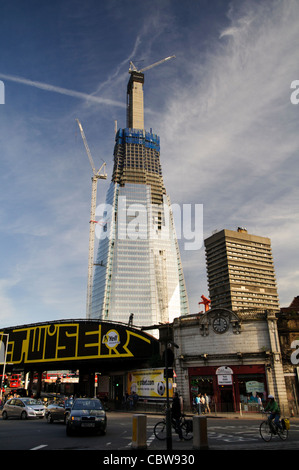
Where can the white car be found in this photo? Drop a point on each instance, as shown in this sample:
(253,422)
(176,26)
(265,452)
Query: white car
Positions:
(23,408)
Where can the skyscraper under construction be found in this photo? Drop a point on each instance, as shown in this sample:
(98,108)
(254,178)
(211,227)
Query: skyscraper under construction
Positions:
(138,268)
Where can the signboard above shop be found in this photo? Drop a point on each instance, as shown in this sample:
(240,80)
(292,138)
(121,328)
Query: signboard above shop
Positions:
(224,375)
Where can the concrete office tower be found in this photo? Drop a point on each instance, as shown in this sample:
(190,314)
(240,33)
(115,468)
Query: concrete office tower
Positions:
(138,268)
(240,271)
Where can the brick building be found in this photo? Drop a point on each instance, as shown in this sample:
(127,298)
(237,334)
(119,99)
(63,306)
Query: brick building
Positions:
(234,357)
(288,329)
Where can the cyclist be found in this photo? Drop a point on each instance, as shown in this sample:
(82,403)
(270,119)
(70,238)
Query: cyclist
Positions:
(273,407)
(176,414)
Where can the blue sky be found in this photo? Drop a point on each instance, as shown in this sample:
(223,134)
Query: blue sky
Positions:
(228,130)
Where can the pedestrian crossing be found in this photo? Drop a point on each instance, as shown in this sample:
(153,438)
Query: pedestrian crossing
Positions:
(225,433)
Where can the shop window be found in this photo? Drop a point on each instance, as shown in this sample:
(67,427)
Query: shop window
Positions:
(251,387)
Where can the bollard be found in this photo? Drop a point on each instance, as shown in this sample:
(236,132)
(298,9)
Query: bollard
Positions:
(139,432)
(200,433)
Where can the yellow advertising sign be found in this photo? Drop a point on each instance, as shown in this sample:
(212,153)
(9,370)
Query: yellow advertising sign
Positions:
(149,383)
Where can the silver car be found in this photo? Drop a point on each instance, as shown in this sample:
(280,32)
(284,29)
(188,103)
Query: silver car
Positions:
(58,411)
(23,408)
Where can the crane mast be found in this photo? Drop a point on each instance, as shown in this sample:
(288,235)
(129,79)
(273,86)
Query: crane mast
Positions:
(95,177)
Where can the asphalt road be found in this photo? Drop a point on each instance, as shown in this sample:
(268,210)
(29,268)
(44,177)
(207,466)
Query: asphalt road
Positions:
(223,434)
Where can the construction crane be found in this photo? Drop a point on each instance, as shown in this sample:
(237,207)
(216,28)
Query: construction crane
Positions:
(100,174)
(133,68)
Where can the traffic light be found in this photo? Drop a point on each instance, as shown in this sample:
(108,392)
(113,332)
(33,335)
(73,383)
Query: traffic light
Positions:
(168,357)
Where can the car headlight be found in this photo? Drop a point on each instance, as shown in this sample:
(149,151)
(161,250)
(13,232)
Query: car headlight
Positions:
(100,418)
(76,418)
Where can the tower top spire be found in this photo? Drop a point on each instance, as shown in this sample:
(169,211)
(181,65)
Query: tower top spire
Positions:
(135,107)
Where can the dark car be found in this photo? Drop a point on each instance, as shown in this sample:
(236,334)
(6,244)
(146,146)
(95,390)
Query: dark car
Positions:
(58,411)
(87,414)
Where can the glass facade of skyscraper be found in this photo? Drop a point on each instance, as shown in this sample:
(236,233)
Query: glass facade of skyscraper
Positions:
(138,268)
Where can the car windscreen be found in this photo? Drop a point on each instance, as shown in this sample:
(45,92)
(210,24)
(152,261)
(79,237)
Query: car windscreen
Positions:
(87,405)
(30,401)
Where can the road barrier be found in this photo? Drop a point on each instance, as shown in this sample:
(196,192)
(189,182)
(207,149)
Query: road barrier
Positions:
(139,431)
(200,433)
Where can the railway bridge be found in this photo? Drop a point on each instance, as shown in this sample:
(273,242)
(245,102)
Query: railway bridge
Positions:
(90,346)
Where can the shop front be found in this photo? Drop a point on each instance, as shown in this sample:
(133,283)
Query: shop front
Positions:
(229,388)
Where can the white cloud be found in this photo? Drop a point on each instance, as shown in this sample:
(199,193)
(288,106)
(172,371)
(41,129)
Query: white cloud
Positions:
(231,139)
(60,90)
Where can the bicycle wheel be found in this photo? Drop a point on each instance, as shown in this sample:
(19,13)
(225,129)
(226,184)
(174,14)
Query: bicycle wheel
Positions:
(265,431)
(187,430)
(283,434)
(160,430)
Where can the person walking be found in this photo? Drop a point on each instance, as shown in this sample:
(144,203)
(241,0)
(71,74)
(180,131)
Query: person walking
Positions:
(198,403)
(203,404)
(207,403)
(259,402)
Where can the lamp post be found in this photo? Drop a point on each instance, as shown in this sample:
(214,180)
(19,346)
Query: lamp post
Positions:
(166,338)
(168,410)
(4,362)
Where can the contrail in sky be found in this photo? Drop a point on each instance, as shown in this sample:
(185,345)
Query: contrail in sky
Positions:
(62,91)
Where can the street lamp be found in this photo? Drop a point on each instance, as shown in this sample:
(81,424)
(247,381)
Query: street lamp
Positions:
(166,338)
(4,362)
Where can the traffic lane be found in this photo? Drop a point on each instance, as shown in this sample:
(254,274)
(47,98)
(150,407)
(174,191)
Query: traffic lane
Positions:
(39,435)
(18,434)
(222,433)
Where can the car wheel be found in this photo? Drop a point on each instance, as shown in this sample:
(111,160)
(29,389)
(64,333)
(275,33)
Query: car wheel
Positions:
(4,415)
(23,415)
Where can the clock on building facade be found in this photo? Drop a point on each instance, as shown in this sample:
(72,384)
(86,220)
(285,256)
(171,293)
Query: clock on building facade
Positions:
(219,320)
(220,324)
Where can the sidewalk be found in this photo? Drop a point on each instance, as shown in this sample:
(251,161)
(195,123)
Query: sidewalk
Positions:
(244,415)
(228,415)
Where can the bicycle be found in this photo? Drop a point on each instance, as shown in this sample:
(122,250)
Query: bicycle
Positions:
(268,429)
(186,426)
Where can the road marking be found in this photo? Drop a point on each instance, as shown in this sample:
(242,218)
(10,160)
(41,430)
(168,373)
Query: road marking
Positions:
(150,440)
(39,447)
